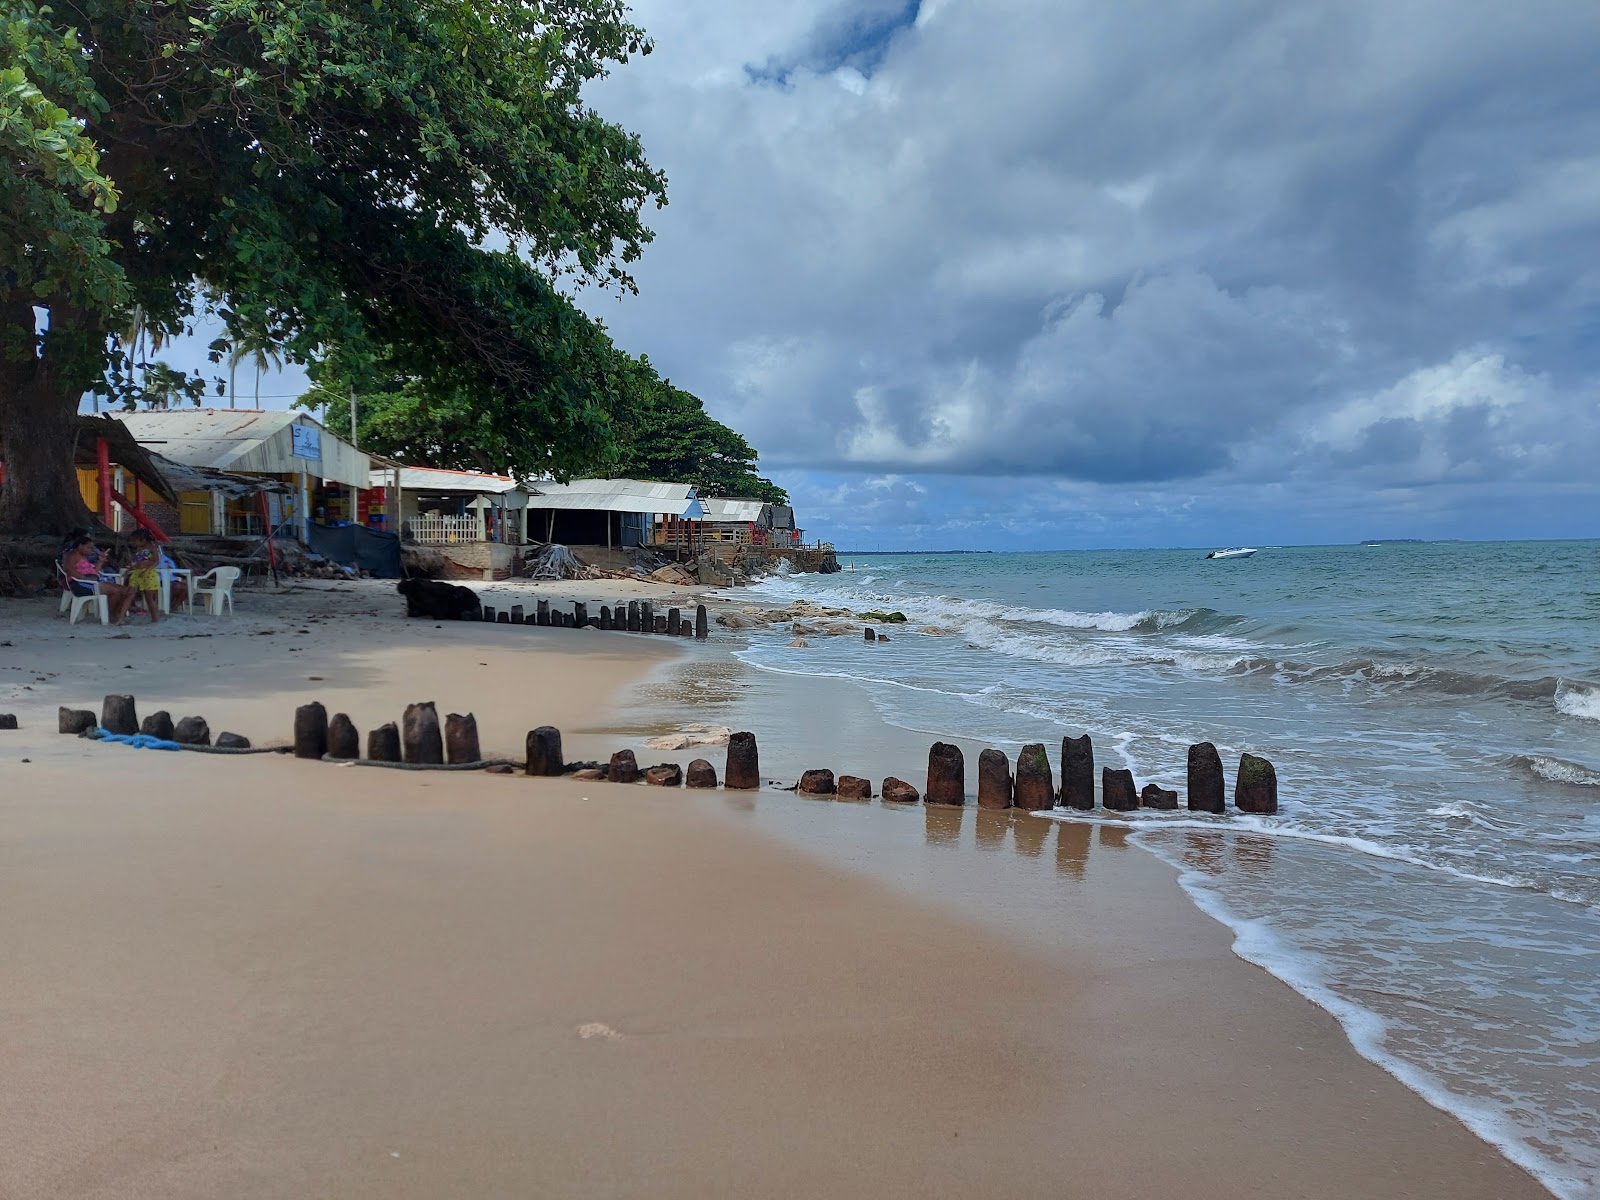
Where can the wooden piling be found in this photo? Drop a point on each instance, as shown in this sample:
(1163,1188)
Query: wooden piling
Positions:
(624,768)
(461,738)
(1206,792)
(544,751)
(1035,788)
(383,743)
(343,740)
(1117,791)
(994,779)
(701,627)
(743,769)
(310,730)
(420,736)
(947,775)
(1256,786)
(118,715)
(1077,773)
(541,613)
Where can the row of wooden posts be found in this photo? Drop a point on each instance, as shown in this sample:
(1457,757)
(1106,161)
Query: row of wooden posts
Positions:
(639,616)
(421,739)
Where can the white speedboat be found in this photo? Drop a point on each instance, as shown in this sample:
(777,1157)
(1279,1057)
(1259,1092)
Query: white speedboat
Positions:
(1237,552)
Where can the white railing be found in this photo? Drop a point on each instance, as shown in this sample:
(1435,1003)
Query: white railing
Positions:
(435,530)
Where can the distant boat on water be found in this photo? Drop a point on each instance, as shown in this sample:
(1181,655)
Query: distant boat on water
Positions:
(1236,552)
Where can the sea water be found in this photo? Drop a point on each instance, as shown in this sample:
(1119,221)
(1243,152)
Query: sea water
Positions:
(1433,710)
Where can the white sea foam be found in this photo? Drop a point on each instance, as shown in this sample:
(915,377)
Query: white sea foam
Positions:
(1257,942)
(1558,770)
(1578,700)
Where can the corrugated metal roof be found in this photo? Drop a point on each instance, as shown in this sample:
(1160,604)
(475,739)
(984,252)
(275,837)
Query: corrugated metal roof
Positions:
(617,495)
(431,479)
(733,511)
(645,489)
(249,440)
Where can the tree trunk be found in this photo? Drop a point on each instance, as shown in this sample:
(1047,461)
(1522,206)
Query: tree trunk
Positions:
(41,487)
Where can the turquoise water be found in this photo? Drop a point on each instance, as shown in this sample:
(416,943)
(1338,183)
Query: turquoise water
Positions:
(1433,876)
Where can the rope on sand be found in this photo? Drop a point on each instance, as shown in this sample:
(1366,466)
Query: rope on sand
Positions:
(480,765)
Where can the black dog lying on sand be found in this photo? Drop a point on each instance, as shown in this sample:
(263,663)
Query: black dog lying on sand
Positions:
(439,601)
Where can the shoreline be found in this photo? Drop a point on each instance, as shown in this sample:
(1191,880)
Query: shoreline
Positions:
(1139,916)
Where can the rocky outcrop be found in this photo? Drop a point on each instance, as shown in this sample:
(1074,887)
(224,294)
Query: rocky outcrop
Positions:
(1077,773)
(947,775)
(1256,788)
(1035,787)
(1117,791)
(1205,779)
(994,779)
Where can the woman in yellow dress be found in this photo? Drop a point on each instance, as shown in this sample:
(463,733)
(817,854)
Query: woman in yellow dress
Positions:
(144,575)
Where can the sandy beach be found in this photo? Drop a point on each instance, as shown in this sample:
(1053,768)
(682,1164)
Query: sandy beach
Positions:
(260,977)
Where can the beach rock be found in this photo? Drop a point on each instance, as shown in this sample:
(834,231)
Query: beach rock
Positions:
(871,634)
(701,774)
(420,738)
(994,779)
(436,600)
(666,775)
(158,725)
(8,720)
(541,613)
(383,743)
(192,731)
(232,741)
(1206,792)
(1117,791)
(624,768)
(798,643)
(1256,786)
(544,751)
(818,783)
(590,774)
(117,715)
(1077,772)
(898,791)
(1153,795)
(1035,788)
(853,787)
(310,730)
(947,775)
(74,720)
(701,628)
(344,740)
(743,769)
(461,738)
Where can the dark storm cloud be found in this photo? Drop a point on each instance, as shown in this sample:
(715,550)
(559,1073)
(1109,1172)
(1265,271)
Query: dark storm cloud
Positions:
(1132,243)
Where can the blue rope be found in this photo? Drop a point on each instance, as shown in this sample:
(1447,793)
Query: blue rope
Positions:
(139,741)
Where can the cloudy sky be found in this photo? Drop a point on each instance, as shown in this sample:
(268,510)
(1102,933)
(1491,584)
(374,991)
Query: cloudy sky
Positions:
(1057,273)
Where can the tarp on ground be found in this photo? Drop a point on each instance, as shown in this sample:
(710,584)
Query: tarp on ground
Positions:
(378,554)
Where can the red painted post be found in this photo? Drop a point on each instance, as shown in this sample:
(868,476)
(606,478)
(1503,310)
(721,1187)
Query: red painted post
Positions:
(102,451)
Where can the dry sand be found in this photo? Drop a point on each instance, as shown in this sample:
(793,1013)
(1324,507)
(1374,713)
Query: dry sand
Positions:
(256,977)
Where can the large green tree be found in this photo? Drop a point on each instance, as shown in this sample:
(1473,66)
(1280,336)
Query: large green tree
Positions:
(316,173)
(654,430)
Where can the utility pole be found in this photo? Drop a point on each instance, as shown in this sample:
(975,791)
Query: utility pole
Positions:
(353,417)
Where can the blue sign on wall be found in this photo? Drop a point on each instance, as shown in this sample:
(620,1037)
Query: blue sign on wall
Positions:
(307,441)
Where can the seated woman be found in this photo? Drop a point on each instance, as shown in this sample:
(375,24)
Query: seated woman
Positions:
(81,563)
(144,573)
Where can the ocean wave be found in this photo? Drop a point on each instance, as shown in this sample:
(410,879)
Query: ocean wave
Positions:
(1556,770)
(1578,699)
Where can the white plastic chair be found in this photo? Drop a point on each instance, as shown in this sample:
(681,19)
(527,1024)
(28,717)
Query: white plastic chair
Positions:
(221,589)
(70,600)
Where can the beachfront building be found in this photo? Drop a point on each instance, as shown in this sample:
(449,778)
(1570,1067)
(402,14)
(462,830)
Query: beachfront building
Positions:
(443,508)
(736,522)
(617,513)
(317,473)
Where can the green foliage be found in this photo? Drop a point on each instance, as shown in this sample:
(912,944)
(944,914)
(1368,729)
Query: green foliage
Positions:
(667,434)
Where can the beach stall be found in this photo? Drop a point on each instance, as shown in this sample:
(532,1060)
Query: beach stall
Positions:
(320,471)
(608,512)
(741,522)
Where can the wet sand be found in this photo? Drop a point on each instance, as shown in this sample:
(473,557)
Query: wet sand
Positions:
(266,978)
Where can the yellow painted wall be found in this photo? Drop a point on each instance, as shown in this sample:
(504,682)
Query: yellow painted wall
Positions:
(194,512)
(89,487)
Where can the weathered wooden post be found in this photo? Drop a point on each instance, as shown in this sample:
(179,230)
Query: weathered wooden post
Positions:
(1256,786)
(541,613)
(488,613)
(419,734)
(701,625)
(157,725)
(502,617)
(854,787)
(674,615)
(192,731)
(817,783)
(310,730)
(743,769)
(1116,790)
(117,715)
(1035,788)
(647,617)
(461,738)
(871,634)
(700,774)
(661,624)
(74,720)
(383,743)
(580,614)
(686,629)
(1205,779)
(605,616)
(517,615)
(343,740)
(1153,795)
(624,768)
(1077,773)
(947,775)
(666,775)
(544,751)
(633,616)
(898,791)
(994,779)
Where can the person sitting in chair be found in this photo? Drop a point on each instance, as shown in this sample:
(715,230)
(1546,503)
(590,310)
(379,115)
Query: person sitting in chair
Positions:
(81,567)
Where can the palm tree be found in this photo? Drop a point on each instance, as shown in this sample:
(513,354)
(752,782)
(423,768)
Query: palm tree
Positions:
(258,346)
(138,338)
